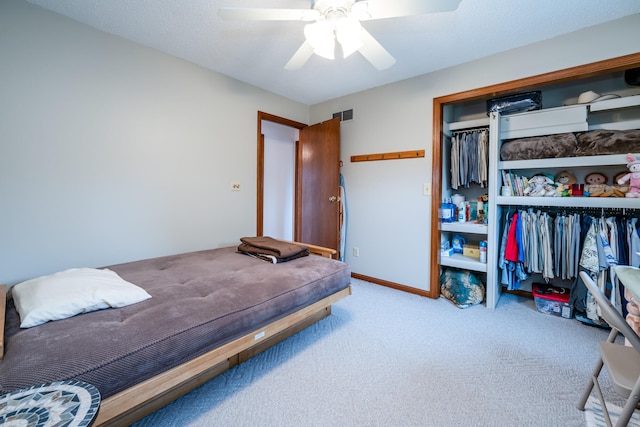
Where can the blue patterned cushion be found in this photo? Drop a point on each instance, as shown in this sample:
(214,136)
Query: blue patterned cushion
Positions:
(461,287)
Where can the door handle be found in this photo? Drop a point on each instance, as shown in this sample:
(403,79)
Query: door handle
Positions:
(334,199)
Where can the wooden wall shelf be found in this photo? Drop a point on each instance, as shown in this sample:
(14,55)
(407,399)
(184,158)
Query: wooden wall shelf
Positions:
(388,156)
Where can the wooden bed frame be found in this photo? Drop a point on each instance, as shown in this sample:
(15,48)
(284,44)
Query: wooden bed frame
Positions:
(136,402)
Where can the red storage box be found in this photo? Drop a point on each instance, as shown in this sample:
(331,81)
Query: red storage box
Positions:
(552,300)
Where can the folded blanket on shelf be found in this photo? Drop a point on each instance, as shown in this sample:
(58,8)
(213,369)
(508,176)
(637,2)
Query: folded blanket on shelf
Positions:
(271,250)
(591,143)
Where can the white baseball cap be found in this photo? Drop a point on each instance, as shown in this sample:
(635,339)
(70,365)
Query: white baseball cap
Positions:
(590,96)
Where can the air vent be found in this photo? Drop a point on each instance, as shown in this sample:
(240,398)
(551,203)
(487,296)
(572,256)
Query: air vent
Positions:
(345,116)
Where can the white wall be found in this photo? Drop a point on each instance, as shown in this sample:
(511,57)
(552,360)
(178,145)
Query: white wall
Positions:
(279,179)
(112,152)
(388,216)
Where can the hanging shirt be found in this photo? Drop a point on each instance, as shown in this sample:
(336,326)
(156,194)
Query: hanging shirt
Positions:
(557,244)
(634,242)
(511,251)
(483,158)
(545,244)
(604,246)
(574,248)
(615,285)
(589,257)
(454,158)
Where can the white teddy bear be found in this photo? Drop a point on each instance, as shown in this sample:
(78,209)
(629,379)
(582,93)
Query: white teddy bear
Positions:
(540,186)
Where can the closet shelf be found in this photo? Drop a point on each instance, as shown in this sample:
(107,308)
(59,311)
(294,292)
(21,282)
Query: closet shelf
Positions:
(464,227)
(466,124)
(565,162)
(464,262)
(626,125)
(569,202)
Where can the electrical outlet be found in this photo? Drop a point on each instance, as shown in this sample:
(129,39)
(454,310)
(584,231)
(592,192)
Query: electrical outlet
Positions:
(235,186)
(356,251)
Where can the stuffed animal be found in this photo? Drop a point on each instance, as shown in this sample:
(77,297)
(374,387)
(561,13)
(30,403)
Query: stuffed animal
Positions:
(619,190)
(540,186)
(597,185)
(562,190)
(633,176)
(563,183)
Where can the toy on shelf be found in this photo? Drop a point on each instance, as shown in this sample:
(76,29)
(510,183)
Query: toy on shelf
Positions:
(540,186)
(633,176)
(564,180)
(597,185)
(620,189)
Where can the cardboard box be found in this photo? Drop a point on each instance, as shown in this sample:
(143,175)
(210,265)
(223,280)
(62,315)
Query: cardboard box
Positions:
(446,252)
(471,251)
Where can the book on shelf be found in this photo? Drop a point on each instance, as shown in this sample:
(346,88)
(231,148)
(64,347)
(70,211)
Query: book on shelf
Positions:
(505,180)
(516,183)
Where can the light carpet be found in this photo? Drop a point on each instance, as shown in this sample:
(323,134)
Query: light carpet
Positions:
(595,417)
(389,358)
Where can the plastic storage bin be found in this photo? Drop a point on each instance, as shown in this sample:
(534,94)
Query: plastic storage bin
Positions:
(515,103)
(552,300)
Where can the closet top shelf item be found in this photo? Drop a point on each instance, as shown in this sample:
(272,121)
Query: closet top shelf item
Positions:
(566,162)
(615,103)
(615,114)
(571,118)
(544,122)
(569,202)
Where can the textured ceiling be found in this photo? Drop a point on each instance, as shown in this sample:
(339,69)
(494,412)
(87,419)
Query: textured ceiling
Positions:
(256,52)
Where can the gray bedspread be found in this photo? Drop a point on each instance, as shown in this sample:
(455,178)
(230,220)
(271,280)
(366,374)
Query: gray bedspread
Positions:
(200,300)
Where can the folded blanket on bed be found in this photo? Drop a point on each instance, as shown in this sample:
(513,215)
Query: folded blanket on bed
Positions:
(271,250)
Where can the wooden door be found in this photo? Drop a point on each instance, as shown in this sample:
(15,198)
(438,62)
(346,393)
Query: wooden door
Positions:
(318,185)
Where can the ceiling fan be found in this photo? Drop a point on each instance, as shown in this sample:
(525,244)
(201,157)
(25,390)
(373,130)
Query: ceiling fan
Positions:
(332,20)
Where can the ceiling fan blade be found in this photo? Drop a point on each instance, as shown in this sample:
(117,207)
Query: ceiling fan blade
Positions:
(248,14)
(381,9)
(374,52)
(299,58)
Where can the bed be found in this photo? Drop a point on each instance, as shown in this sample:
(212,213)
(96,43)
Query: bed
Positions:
(209,310)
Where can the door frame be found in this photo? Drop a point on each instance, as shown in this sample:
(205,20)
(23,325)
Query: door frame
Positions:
(260,172)
(528,83)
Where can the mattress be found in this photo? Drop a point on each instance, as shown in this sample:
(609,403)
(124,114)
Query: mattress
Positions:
(200,300)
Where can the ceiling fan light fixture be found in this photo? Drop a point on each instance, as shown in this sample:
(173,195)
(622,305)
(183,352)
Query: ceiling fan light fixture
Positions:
(321,36)
(360,10)
(348,35)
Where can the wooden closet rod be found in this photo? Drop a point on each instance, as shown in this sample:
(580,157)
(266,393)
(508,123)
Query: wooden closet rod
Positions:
(388,156)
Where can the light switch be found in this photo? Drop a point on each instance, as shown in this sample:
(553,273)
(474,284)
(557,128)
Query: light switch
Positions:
(426,189)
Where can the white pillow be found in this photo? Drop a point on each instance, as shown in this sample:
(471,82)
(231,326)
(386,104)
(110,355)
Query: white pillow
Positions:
(70,292)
